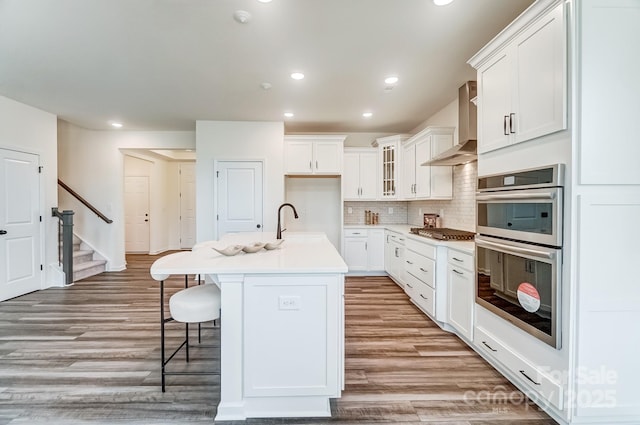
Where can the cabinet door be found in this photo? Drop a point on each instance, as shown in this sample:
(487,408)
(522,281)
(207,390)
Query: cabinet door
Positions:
(441,175)
(389,167)
(494,92)
(355,253)
(298,157)
(422,188)
(368,176)
(461,300)
(408,172)
(327,157)
(540,87)
(351,176)
(375,249)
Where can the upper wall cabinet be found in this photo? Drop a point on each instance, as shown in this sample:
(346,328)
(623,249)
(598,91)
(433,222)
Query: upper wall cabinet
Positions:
(422,181)
(313,155)
(360,174)
(522,81)
(389,163)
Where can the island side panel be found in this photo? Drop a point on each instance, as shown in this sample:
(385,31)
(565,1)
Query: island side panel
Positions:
(232,404)
(293,335)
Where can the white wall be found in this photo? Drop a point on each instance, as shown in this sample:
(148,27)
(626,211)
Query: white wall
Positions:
(235,140)
(27,129)
(445,117)
(317,201)
(92,163)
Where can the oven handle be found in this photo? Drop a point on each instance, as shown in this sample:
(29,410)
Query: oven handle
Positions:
(516,196)
(509,249)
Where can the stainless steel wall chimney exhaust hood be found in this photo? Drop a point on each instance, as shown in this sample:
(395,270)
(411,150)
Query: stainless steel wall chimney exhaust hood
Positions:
(466,150)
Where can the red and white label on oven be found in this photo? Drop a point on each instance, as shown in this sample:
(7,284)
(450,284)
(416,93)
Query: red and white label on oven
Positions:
(529,297)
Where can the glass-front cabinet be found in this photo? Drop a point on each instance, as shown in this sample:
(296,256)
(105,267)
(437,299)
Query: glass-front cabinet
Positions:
(389,152)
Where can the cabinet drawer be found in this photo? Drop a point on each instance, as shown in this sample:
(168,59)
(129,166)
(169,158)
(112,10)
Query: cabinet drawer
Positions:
(421,248)
(461,259)
(424,296)
(420,267)
(532,376)
(355,232)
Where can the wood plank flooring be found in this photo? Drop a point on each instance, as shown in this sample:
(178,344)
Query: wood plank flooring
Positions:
(89,354)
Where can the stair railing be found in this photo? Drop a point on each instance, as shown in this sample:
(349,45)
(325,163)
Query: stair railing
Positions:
(65,254)
(84,202)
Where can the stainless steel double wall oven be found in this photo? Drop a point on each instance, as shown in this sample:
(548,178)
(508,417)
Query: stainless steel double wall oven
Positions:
(519,249)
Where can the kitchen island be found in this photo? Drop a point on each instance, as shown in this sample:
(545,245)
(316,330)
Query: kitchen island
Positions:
(282,315)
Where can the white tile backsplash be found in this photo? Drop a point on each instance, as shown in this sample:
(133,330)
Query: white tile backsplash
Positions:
(458,213)
(398,216)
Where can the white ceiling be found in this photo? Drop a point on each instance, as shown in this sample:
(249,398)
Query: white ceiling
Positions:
(162,64)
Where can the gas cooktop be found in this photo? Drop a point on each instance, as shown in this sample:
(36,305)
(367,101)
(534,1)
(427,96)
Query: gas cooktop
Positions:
(443,233)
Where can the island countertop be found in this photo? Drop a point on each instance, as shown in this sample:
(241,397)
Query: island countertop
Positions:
(300,252)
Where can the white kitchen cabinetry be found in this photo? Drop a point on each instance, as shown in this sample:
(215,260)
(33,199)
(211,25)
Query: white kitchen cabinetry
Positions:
(540,386)
(423,181)
(305,155)
(389,163)
(360,174)
(420,275)
(460,266)
(364,249)
(394,256)
(522,86)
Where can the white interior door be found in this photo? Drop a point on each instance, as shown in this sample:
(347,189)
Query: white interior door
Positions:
(187,205)
(136,198)
(19,224)
(239,200)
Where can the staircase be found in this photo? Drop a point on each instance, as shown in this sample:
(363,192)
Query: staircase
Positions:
(85,261)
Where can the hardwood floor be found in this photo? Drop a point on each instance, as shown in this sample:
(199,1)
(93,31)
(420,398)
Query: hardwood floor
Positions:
(90,354)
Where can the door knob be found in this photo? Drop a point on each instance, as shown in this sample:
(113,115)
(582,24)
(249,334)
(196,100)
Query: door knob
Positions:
(3,232)
(258,226)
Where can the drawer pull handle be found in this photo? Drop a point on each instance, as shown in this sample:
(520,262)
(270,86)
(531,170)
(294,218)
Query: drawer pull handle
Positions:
(457,259)
(409,262)
(488,346)
(424,298)
(456,271)
(426,271)
(409,286)
(527,376)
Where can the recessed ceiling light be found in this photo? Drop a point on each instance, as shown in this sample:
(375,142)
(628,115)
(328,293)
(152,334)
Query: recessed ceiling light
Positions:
(441,2)
(297,75)
(264,1)
(116,124)
(367,114)
(288,114)
(391,80)
(265,85)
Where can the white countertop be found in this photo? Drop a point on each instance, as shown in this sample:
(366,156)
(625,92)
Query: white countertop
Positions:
(465,246)
(301,252)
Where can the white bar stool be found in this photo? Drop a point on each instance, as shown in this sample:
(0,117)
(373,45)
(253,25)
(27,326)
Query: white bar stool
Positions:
(196,304)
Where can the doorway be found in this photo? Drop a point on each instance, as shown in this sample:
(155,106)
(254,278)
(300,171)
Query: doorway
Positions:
(20,267)
(136,201)
(239,185)
(187,205)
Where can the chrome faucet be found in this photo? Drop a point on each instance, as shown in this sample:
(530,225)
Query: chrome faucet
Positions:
(295,214)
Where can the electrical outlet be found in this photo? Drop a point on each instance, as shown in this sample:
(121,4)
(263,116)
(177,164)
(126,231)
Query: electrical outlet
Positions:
(349,210)
(390,210)
(289,302)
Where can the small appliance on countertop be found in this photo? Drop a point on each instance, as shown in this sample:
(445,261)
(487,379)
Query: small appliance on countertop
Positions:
(443,233)
(430,221)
